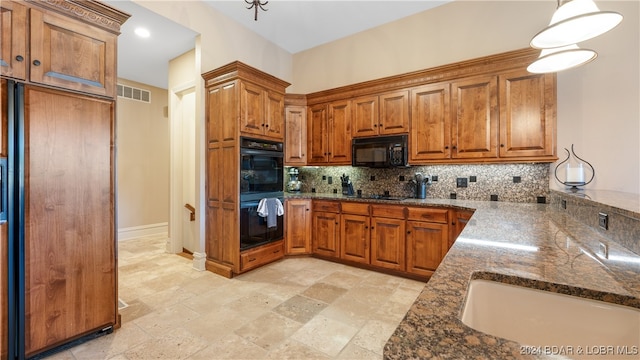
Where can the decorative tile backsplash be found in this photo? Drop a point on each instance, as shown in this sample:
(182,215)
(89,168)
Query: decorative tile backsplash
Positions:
(525,183)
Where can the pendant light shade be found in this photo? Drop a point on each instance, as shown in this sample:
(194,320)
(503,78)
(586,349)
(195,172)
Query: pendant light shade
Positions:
(563,58)
(573,22)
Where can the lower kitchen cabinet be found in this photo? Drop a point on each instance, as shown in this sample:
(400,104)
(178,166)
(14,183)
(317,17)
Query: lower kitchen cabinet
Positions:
(460,220)
(298,227)
(388,243)
(326,229)
(261,255)
(355,238)
(427,244)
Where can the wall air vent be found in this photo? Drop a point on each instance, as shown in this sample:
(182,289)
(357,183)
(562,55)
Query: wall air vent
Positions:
(132,93)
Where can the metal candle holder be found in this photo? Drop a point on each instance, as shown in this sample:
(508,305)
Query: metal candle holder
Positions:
(574,184)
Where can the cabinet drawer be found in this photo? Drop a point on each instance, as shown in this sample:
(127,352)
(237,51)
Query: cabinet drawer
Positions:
(261,255)
(428,215)
(326,206)
(394,212)
(355,208)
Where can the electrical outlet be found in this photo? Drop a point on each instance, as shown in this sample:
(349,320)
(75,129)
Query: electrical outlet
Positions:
(453,196)
(517,179)
(401,177)
(324,177)
(603,221)
(373,178)
(461,182)
(330,180)
(494,197)
(434,177)
(473,178)
(564,204)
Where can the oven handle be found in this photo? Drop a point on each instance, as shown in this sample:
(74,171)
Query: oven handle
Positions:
(249,204)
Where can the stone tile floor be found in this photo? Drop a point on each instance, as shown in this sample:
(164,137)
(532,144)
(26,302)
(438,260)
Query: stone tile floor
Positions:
(298,308)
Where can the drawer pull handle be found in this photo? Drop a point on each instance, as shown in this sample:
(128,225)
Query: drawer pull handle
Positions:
(276,251)
(252,259)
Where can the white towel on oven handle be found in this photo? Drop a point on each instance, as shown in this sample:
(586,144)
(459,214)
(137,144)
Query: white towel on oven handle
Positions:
(276,207)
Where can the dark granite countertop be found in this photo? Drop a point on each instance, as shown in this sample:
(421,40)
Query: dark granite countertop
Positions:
(534,245)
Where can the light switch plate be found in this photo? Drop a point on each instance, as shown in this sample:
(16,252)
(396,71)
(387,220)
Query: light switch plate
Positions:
(603,221)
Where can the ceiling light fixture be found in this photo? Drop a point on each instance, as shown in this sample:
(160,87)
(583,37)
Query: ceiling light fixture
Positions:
(562,58)
(256,4)
(142,32)
(575,21)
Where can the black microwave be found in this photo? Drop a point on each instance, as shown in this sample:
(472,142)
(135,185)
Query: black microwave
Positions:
(380,151)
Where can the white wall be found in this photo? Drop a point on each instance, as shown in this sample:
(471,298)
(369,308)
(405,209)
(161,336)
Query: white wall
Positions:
(598,104)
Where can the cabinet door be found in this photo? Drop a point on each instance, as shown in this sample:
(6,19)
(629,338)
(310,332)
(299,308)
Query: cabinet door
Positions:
(394,113)
(252,120)
(527,114)
(427,244)
(317,134)
(460,220)
(71,54)
(354,238)
(388,243)
(298,226)
(475,118)
(70,259)
(13,40)
(430,123)
(295,148)
(339,126)
(365,116)
(326,234)
(274,112)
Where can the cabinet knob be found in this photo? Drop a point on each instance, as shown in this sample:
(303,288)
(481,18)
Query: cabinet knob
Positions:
(267,125)
(446,147)
(36,62)
(501,145)
(336,223)
(366,227)
(454,147)
(375,125)
(262,125)
(408,232)
(19,58)
(329,153)
(380,124)
(306,209)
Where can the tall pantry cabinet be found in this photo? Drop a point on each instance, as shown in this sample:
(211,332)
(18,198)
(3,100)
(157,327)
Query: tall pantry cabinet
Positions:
(58,262)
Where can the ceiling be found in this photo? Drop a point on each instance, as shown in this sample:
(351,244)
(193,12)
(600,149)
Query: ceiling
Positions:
(292,25)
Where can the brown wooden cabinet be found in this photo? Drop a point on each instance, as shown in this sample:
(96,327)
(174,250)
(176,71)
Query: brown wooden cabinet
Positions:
(460,220)
(355,233)
(326,228)
(261,255)
(82,249)
(474,128)
(527,114)
(388,237)
(383,114)
(427,239)
(70,263)
(329,133)
(261,111)
(4,243)
(13,40)
(295,118)
(430,135)
(234,91)
(297,226)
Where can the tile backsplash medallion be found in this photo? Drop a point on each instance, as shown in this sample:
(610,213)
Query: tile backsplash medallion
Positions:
(510,182)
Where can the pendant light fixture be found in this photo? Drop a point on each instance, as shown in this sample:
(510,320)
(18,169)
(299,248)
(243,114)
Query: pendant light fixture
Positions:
(562,58)
(575,21)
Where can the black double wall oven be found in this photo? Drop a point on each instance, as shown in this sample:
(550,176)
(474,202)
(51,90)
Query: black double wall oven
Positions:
(261,177)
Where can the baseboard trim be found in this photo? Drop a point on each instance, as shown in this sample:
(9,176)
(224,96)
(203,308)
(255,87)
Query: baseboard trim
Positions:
(144,230)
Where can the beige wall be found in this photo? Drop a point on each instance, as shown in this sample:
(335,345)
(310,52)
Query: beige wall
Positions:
(598,104)
(142,145)
(223,40)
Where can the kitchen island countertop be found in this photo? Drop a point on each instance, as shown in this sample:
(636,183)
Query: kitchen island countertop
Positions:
(534,245)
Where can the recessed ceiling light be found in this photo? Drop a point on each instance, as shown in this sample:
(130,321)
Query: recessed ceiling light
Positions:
(142,32)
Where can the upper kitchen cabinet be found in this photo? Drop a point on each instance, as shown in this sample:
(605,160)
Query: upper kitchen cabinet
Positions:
(430,135)
(329,133)
(295,119)
(13,40)
(527,115)
(474,127)
(73,53)
(384,114)
(261,111)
